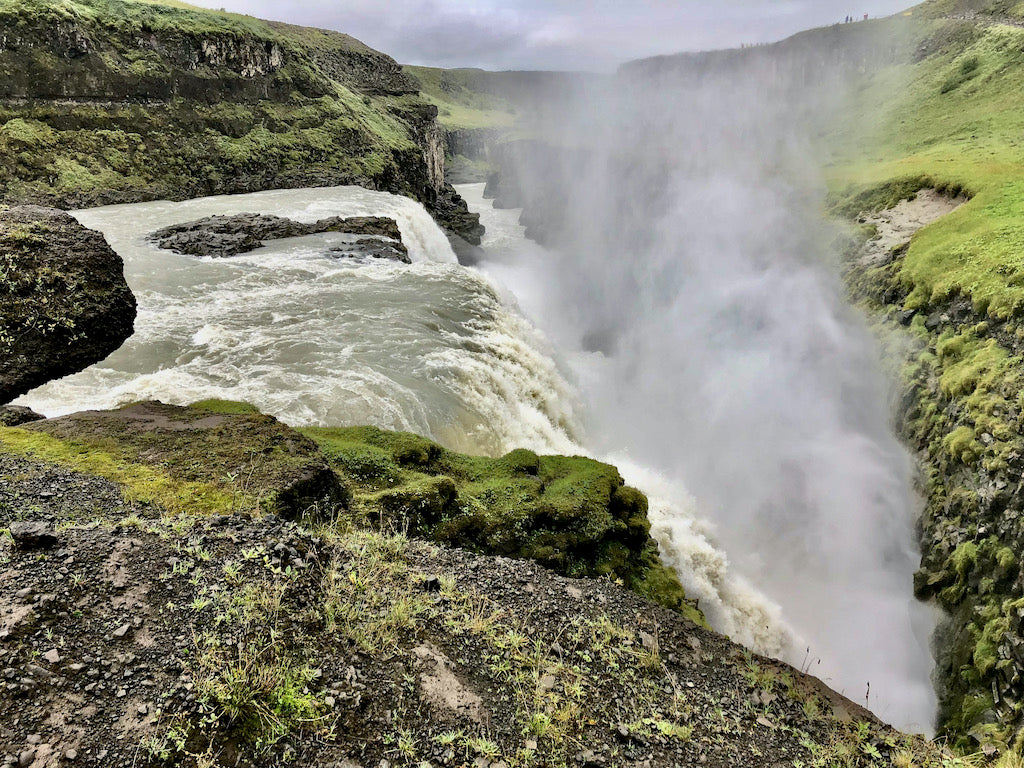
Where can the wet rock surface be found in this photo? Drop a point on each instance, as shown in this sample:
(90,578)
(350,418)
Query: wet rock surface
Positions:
(64,303)
(372,248)
(13,415)
(220,236)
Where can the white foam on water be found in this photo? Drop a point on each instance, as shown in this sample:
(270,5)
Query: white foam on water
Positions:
(430,347)
(314,339)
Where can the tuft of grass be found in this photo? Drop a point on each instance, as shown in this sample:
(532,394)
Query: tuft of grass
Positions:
(225,407)
(369,592)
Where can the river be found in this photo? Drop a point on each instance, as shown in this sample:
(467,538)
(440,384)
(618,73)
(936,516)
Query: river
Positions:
(479,359)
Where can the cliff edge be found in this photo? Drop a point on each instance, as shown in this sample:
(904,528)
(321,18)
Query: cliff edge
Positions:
(112,101)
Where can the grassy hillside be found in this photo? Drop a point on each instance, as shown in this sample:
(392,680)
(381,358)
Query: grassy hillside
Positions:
(463,98)
(121,100)
(954,120)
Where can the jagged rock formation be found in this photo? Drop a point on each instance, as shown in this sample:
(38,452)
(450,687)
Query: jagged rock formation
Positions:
(220,236)
(117,101)
(64,303)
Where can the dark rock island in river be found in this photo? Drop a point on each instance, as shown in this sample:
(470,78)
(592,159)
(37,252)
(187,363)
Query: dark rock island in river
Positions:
(220,236)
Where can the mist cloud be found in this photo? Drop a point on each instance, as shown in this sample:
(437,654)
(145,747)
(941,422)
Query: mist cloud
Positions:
(557,34)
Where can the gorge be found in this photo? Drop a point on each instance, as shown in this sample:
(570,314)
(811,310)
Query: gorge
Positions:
(808,450)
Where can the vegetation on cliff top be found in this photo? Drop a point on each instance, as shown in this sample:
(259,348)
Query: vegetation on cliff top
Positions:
(952,120)
(461,100)
(571,514)
(120,100)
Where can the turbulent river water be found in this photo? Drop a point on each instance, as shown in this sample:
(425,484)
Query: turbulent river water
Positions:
(435,348)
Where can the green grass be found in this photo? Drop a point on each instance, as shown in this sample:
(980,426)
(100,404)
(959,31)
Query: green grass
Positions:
(969,138)
(156,15)
(227,407)
(140,484)
(462,102)
(572,514)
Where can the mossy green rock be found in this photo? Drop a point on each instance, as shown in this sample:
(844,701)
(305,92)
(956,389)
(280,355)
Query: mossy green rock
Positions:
(215,457)
(571,514)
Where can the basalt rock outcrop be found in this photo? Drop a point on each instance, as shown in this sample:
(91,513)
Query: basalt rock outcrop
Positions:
(220,236)
(64,302)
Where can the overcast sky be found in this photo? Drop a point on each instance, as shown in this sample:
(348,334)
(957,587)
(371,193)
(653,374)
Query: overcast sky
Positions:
(556,34)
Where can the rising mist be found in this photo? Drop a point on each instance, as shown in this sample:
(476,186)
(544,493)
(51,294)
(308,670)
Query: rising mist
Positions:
(698,278)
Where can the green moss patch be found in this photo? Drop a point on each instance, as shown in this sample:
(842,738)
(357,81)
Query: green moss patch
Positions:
(571,514)
(140,484)
(218,457)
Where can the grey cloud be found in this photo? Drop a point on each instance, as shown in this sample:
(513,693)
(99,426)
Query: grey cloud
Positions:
(557,34)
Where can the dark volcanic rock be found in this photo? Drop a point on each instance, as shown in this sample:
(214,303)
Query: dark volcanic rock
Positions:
(232,235)
(375,248)
(15,415)
(33,535)
(64,303)
(450,211)
(378,226)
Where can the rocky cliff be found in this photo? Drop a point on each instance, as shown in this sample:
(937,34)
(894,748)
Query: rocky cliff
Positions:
(951,299)
(115,101)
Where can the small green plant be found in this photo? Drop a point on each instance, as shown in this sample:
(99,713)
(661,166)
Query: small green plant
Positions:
(484,747)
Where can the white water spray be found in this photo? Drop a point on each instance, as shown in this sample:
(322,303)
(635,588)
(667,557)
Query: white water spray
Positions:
(694,276)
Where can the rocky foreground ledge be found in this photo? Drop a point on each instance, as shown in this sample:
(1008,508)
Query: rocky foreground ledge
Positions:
(170,596)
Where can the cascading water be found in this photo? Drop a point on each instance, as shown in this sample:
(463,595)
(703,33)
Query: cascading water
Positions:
(426,347)
(732,605)
(693,284)
(429,347)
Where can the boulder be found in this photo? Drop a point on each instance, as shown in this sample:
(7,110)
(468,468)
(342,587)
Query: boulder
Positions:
(16,415)
(64,302)
(374,248)
(33,535)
